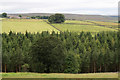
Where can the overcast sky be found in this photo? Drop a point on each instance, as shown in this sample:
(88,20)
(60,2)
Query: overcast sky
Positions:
(100,7)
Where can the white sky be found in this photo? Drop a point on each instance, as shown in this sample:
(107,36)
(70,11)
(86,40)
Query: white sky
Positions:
(100,7)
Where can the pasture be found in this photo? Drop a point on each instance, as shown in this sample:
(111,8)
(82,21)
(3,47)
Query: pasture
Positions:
(59,75)
(79,28)
(35,25)
(86,26)
(23,25)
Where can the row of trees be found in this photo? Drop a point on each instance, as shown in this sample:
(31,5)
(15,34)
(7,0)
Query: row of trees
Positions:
(4,15)
(65,52)
(39,17)
(36,17)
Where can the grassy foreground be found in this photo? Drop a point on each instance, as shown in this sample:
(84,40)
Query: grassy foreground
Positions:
(59,75)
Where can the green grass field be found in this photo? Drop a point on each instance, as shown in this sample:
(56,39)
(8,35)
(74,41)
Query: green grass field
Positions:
(59,75)
(34,25)
(78,22)
(78,26)
(23,25)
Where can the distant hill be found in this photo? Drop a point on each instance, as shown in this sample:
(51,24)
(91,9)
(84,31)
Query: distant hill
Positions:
(73,16)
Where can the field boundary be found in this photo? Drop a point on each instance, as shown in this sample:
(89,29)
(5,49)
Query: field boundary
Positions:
(52,26)
(100,25)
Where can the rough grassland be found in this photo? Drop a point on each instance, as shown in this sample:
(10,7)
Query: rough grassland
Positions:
(106,23)
(59,75)
(23,25)
(113,25)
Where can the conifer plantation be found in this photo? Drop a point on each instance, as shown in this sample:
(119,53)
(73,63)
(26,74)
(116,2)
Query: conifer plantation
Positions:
(64,52)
